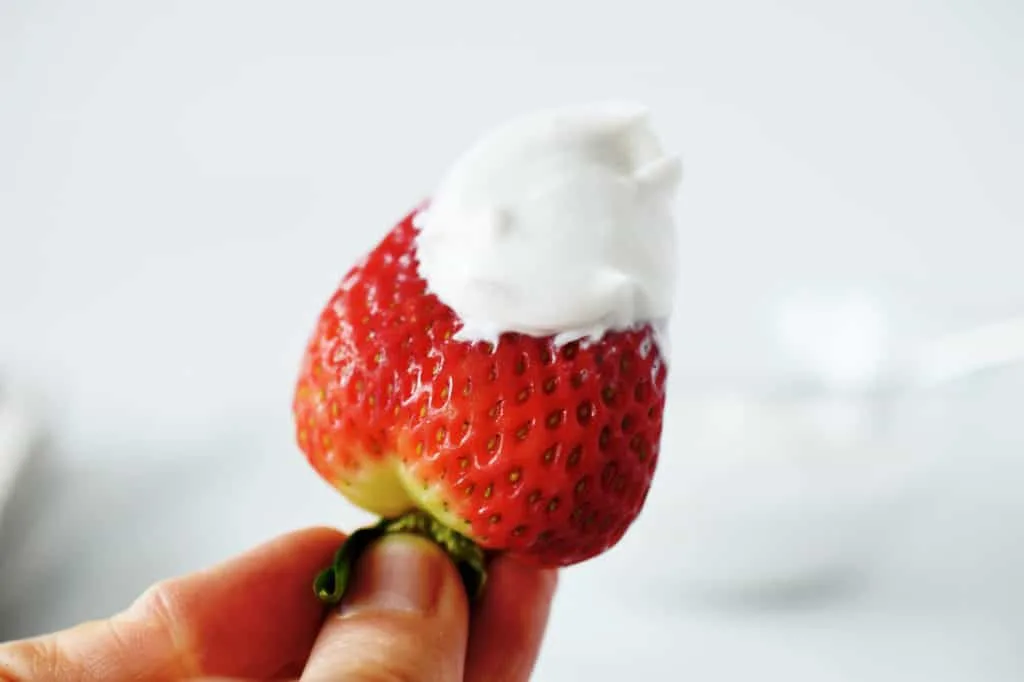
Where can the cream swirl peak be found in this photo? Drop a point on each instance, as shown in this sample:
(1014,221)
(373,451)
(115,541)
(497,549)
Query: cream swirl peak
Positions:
(558,223)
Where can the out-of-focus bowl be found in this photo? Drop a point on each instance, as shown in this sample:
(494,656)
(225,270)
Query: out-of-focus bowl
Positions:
(769,493)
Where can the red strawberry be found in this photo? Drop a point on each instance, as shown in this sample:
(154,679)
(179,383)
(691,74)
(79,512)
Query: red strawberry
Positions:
(544,451)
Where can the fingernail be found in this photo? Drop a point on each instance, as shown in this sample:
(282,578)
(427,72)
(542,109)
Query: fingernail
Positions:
(398,573)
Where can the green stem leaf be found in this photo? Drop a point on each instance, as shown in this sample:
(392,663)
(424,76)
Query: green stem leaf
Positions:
(468,557)
(330,583)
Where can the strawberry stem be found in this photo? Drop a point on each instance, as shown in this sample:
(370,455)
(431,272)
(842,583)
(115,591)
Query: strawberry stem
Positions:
(330,583)
(469,559)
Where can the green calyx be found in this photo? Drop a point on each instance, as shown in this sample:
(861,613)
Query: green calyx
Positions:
(469,559)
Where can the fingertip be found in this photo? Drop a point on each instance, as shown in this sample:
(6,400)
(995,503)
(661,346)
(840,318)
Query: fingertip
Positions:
(509,621)
(405,613)
(249,615)
(405,573)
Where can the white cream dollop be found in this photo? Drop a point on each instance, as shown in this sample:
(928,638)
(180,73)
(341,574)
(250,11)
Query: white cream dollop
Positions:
(559,223)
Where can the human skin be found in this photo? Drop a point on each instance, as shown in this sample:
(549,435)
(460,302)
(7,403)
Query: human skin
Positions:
(405,618)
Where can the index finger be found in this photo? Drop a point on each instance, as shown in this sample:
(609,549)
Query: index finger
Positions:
(254,616)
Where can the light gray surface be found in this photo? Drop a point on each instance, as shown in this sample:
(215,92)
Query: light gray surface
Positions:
(181,186)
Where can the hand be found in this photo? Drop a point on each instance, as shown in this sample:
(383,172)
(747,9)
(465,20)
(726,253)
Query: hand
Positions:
(405,618)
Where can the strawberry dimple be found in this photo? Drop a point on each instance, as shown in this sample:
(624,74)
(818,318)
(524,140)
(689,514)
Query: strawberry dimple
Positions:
(542,450)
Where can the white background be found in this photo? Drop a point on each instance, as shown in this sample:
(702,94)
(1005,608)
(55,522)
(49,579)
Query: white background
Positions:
(182,184)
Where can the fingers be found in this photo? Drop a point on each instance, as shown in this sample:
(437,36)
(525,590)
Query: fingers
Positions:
(254,616)
(509,622)
(404,619)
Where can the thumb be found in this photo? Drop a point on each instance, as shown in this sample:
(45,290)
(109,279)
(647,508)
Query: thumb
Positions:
(405,618)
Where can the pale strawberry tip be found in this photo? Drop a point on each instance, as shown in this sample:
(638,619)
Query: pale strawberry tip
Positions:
(332,582)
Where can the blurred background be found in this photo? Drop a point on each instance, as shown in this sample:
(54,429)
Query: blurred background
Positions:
(183,184)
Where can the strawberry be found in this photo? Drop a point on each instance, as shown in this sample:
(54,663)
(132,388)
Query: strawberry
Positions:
(526,446)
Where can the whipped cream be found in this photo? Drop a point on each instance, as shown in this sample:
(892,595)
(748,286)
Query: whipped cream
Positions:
(559,223)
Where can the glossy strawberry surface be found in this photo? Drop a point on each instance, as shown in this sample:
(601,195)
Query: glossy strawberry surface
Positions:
(525,446)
